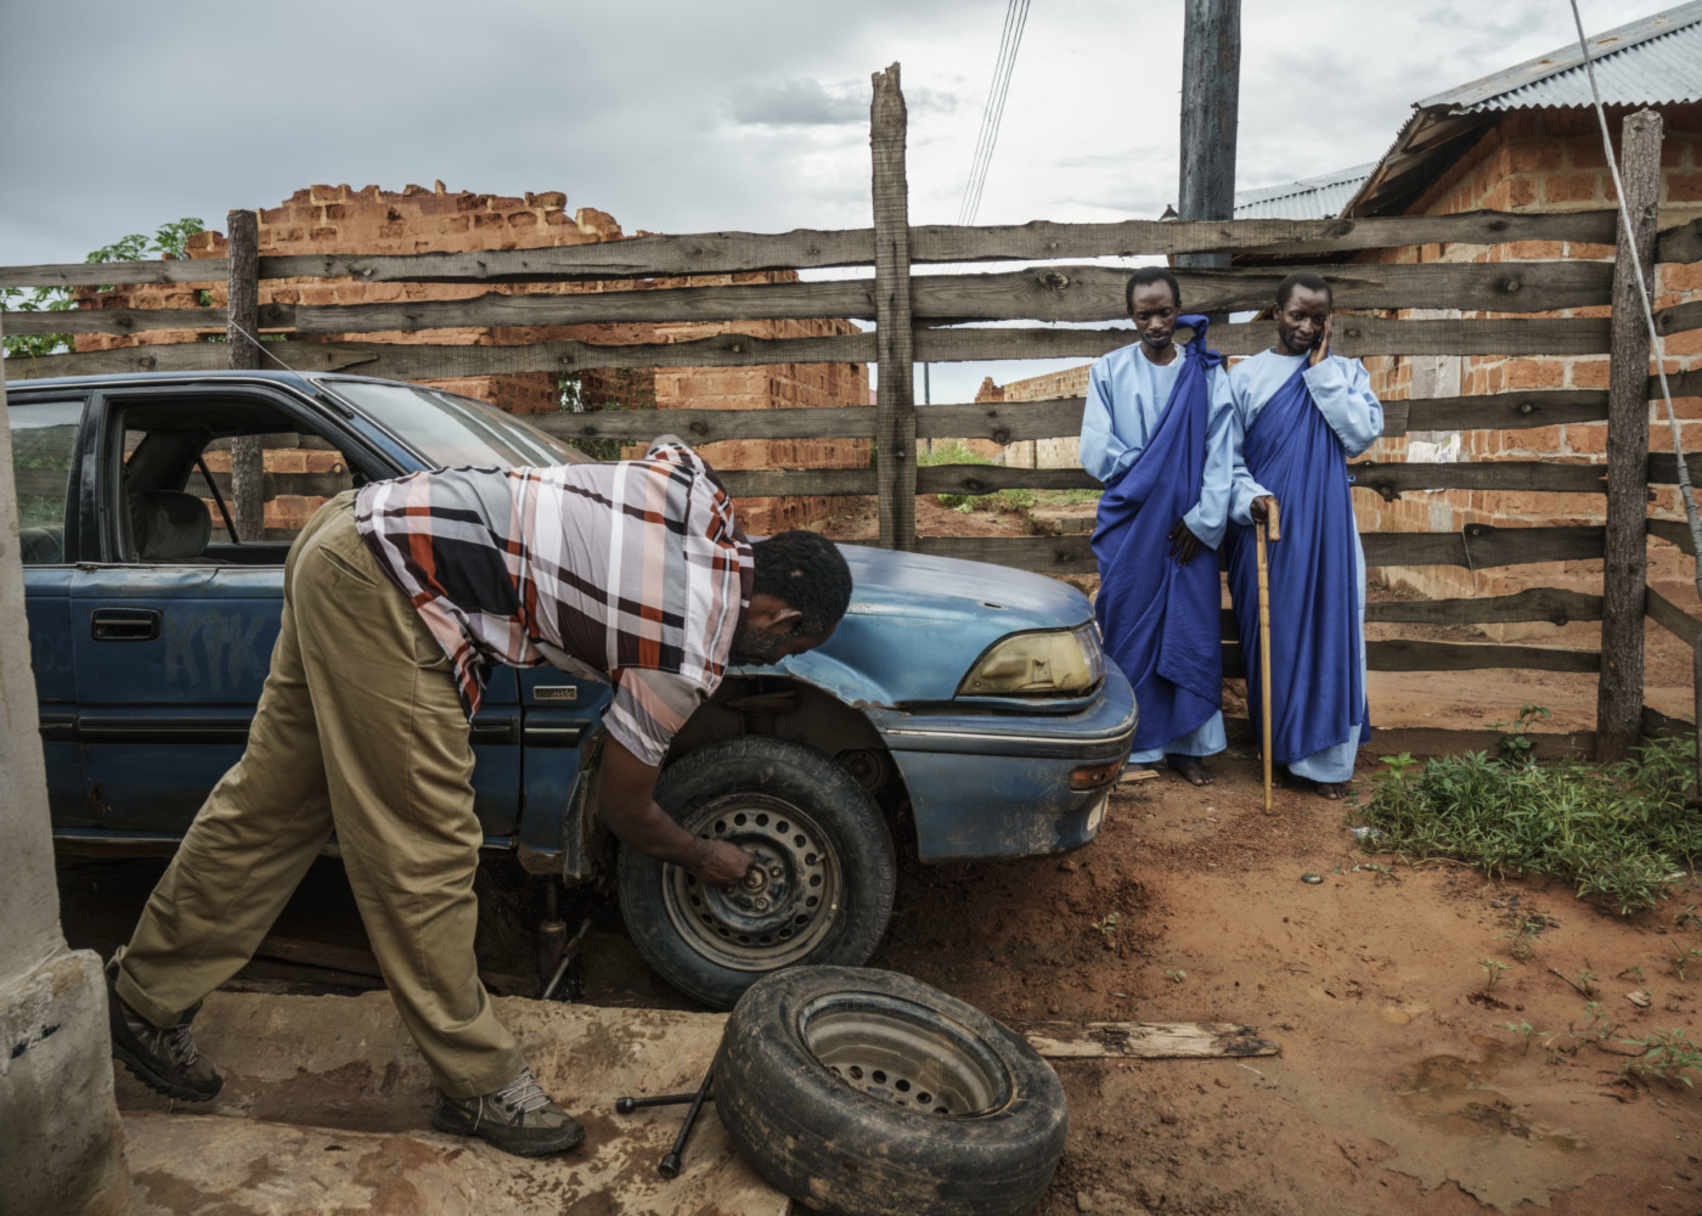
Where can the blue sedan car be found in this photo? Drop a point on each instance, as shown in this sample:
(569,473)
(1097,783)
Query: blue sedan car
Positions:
(971,700)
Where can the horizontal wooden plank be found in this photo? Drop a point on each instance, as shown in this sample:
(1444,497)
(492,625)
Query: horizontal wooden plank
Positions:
(1663,468)
(1391,480)
(1041,239)
(1437,741)
(437,362)
(990,478)
(137,320)
(1671,617)
(726,252)
(306,485)
(1357,336)
(1403,654)
(1146,1041)
(1495,411)
(211,271)
(1483,548)
(770,483)
(1042,293)
(1478,546)
(1002,422)
(1550,604)
(1674,532)
(710,426)
(1677,318)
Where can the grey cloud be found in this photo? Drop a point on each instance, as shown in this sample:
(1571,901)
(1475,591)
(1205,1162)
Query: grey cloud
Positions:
(805,103)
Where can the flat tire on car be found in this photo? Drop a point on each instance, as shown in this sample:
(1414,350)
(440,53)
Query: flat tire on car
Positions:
(827,870)
(864,1092)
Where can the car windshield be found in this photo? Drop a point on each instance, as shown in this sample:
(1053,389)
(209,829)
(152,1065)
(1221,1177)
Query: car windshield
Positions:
(450,430)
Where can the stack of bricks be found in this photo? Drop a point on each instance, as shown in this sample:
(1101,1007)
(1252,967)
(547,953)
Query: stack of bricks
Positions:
(1062,452)
(1539,161)
(372,221)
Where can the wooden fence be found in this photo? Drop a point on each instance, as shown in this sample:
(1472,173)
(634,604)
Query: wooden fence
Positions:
(929,317)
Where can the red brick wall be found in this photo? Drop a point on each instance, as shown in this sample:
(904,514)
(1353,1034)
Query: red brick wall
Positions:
(1539,161)
(339,219)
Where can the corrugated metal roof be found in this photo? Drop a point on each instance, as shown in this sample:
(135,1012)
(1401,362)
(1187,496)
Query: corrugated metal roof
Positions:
(1310,198)
(1647,62)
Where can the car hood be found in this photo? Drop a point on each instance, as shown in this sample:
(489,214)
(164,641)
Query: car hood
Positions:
(916,623)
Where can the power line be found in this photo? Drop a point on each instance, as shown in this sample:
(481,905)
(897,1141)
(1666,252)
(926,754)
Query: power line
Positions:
(992,113)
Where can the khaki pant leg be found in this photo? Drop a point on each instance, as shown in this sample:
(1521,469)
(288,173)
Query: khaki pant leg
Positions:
(247,849)
(399,763)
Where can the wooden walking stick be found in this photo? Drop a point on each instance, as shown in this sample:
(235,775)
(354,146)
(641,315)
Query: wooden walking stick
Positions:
(1271,524)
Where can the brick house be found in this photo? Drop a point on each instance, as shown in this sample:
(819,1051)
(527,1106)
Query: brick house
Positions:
(339,219)
(1526,139)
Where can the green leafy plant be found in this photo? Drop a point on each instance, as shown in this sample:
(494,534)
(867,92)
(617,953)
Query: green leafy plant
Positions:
(1107,926)
(1616,832)
(1597,1024)
(169,240)
(1492,969)
(1667,1054)
(1680,959)
(1523,1029)
(1516,746)
(1176,976)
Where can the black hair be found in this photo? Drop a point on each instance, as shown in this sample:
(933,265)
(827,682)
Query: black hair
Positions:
(1146,275)
(1306,279)
(807,572)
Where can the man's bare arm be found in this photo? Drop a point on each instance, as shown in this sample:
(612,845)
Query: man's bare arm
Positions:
(627,806)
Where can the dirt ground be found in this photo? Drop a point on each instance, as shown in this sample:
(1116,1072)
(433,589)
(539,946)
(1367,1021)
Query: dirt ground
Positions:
(1399,1086)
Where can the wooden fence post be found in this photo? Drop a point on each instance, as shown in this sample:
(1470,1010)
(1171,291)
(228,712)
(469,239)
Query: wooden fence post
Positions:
(895,395)
(247,463)
(1619,694)
(1211,90)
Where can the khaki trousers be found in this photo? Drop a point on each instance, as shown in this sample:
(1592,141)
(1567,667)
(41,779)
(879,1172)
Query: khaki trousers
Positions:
(359,729)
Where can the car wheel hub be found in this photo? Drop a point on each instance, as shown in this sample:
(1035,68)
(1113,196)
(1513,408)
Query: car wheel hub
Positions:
(785,905)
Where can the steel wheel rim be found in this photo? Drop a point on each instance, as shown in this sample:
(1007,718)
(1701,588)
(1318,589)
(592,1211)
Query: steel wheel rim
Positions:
(905,1054)
(788,916)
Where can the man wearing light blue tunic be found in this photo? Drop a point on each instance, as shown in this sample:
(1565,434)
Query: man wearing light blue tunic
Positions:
(1301,413)
(1156,430)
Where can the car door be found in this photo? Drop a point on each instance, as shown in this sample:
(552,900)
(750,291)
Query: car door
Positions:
(45,433)
(171,648)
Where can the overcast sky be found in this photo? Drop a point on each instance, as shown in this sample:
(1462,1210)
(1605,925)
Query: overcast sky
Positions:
(685,117)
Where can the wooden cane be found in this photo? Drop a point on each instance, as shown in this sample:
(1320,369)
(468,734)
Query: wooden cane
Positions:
(1272,526)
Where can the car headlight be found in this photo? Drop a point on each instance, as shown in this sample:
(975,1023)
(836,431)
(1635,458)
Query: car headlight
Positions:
(1050,662)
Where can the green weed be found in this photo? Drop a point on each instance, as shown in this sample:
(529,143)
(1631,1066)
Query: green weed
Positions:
(1667,1054)
(1615,832)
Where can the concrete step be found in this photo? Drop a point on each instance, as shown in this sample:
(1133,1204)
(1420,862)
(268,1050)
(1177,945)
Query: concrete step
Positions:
(326,1106)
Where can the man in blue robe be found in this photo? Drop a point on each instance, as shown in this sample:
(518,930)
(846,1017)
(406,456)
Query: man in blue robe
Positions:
(1301,413)
(1156,430)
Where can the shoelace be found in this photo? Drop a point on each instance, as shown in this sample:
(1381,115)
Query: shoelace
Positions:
(523,1095)
(180,1045)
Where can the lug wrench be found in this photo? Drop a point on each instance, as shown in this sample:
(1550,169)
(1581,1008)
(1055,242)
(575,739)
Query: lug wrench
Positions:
(669,1167)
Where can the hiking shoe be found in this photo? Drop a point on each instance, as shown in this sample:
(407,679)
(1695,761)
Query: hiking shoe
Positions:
(166,1061)
(519,1118)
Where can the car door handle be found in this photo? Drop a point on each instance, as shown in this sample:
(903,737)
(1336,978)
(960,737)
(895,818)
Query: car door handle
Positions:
(125,624)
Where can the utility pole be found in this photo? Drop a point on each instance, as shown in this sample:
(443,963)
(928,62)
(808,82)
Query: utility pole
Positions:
(1211,93)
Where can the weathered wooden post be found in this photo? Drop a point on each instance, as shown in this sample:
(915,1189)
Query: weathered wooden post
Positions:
(1211,94)
(895,395)
(247,464)
(1619,695)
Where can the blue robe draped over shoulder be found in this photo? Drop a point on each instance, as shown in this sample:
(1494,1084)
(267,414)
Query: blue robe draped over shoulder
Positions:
(1159,618)
(1296,448)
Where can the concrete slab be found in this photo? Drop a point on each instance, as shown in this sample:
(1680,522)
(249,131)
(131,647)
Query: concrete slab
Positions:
(326,1106)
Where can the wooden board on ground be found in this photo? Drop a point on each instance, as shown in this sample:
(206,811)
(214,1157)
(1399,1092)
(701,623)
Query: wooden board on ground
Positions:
(1146,1041)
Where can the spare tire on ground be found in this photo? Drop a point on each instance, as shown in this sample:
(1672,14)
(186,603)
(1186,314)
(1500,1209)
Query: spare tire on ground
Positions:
(864,1092)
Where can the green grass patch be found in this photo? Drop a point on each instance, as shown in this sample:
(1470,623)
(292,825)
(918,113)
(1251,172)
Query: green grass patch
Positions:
(1001,500)
(1616,833)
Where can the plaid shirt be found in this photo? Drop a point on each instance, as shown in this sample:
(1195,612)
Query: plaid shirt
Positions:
(633,572)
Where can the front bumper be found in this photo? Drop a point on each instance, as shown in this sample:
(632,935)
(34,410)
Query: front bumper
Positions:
(985,785)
